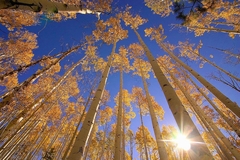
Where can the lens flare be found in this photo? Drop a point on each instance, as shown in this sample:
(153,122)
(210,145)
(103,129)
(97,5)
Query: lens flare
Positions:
(183,143)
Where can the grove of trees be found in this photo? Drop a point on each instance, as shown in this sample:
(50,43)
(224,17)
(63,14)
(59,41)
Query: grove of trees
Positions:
(139,76)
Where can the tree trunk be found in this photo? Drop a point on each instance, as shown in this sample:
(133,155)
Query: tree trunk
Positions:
(214,29)
(22,68)
(225,100)
(78,125)
(229,122)
(160,144)
(214,140)
(182,118)
(118,137)
(89,143)
(38,5)
(123,132)
(143,133)
(216,66)
(83,136)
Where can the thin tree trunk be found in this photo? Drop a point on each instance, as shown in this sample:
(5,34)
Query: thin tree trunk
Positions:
(123,132)
(229,122)
(214,29)
(104,141)
(7,97)
(214,142)
(181,116)
(216,66)
(83,136)
(143,133)
(225,100)
(118,137)
(160,144)
(222,146)
(22,68)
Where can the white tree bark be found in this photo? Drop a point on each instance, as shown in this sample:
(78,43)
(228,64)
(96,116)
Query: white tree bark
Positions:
(160,144)
(143,133)
(118,137)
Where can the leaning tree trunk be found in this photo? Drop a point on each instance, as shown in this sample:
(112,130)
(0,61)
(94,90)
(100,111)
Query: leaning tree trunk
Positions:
(181,116)
(83,136)
(123,132)
(89,143)
(118,137)
(179,112)
(218,145)
(7,97)
(22,68)
(143,133)
(76,129)
(216,66)
(39,5)
(203,117)
(160,144)
(225,100)
(214,29)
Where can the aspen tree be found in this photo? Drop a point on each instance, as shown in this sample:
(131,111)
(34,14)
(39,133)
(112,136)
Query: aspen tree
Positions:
(142,69)
(182,118)
(108,37)
(139,95)
(120,63)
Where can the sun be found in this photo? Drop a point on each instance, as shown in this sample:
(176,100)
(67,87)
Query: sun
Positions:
(183,142)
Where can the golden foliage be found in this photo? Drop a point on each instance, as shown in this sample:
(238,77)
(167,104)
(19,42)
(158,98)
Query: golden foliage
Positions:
(19,47)
(105,115)
(155,33)
(10,82)
(121,61)
(142,68)
(135,50)
(17,19)
(133,21)
(161,7)
(110,31)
